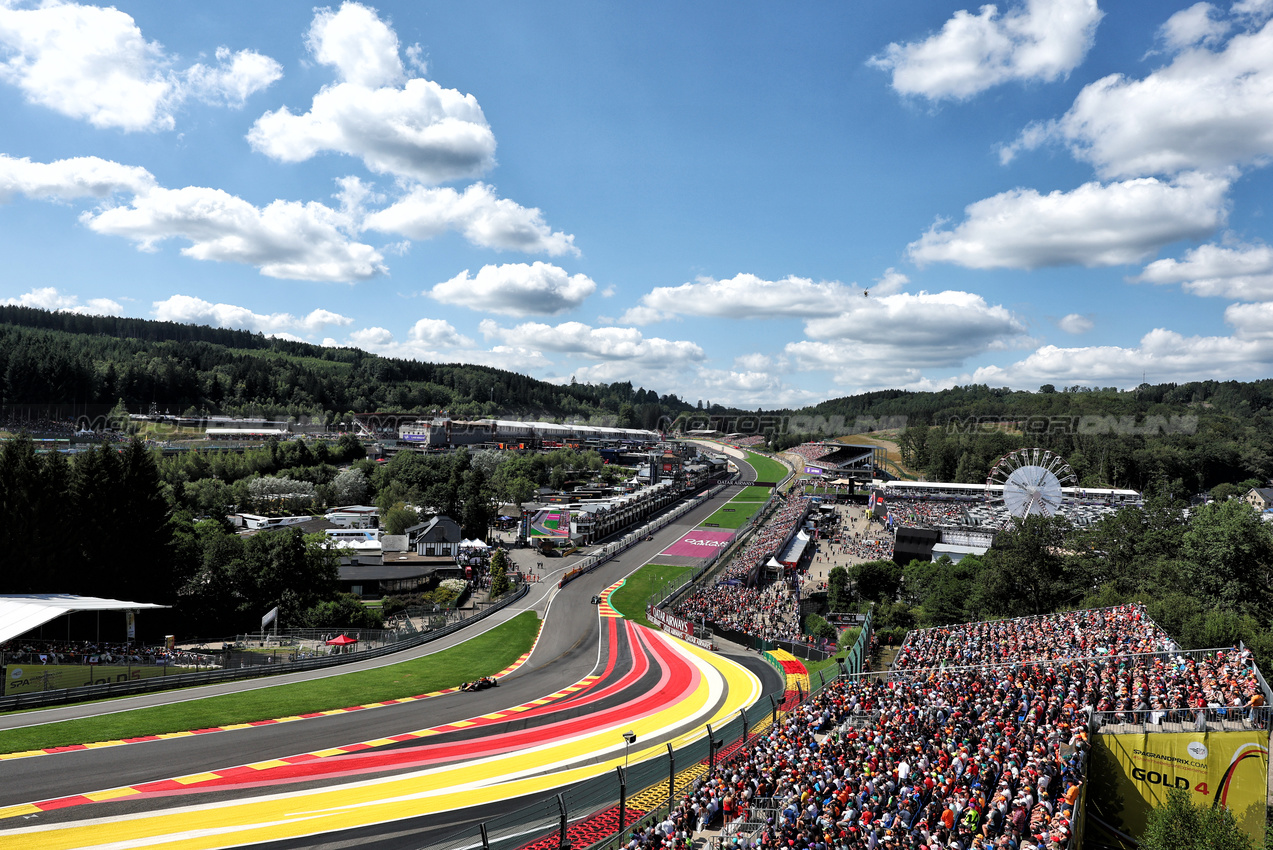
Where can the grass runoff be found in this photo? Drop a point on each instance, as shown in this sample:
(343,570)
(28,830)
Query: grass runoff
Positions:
(484,655)
(630,599)
(752,494)
(733,515)
(767,469)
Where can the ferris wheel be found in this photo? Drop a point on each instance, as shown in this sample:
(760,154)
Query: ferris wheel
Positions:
(1029,481)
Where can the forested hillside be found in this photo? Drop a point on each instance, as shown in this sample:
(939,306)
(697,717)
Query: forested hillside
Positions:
(1202,434)
(67,359)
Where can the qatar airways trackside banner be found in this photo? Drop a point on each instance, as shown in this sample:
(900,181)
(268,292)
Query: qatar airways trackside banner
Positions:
(676,626)
(700,544)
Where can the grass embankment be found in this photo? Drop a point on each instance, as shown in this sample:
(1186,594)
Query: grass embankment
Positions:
(630,599)
(767,469)
(484,655)
(733,515)
(752,494)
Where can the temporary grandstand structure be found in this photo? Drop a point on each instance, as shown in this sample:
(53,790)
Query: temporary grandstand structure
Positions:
(23,612)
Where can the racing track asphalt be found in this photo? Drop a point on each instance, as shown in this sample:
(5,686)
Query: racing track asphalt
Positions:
(566,652)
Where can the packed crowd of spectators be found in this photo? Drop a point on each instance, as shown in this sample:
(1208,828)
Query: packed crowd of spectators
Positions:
(1120,630)
(747,442)
(770,613)
(974,758)
(872,546)
(926,514)
(734,602)
(38,426)
(951,760)
(813,451)
(86,652)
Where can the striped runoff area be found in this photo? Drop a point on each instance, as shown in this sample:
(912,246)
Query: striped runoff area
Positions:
(662,688)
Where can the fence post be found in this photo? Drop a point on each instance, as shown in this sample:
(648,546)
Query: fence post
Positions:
(486,841)
(623,799)
(563,842)
(742,712)
(711,750)
(774,718)
(671,776)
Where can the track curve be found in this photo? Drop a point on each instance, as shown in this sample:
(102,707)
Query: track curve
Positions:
(553,721)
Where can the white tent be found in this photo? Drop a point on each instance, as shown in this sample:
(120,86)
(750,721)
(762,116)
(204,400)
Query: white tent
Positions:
(22,612)
(473,544)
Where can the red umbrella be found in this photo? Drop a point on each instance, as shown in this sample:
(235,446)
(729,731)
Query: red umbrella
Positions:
(342,640)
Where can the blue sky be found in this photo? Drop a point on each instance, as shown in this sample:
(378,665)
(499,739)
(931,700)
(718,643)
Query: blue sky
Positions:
(752,204)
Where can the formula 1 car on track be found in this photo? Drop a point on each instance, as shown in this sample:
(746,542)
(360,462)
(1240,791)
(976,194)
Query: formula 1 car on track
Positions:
(479,684)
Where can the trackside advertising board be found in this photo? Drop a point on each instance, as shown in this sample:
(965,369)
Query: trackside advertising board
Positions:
(549,523)
(1132,773)
(33,678)
(700,544)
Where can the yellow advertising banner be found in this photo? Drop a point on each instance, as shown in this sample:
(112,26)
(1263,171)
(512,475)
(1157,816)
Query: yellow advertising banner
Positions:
(33,678)
(1131,774)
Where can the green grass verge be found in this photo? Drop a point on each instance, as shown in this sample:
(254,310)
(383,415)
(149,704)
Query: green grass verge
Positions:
(484,655)
(752,494)
(814,666)
(736,517)
(767,469)
(630,599)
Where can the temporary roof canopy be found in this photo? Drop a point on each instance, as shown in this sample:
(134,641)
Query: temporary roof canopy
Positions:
(342,640)
(22,612)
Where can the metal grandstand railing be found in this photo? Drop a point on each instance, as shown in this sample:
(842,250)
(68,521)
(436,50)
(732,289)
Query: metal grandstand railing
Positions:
(1165,655)
(558,812)
(1210,719)
(913,632)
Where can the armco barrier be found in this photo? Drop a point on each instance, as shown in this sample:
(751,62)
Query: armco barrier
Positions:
(186,680)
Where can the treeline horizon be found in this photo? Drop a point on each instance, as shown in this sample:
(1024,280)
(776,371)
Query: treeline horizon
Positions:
(1202,433)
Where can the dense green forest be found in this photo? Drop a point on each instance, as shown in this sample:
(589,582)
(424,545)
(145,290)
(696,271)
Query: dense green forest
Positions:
(63,360)
(1204,434)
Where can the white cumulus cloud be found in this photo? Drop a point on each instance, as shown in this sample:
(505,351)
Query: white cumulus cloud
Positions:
(483,218)
(49,298)
(438,333)
(1162,355)
(187,309)
(284,239)
(516,289)
(1239,271)
(1198,24)
(743,296)
(411,128)
(1075,323)
(93,63)
(235,77)
(1093,225)
(67,179)
(612,343)
(1207,110)
(1036,40)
